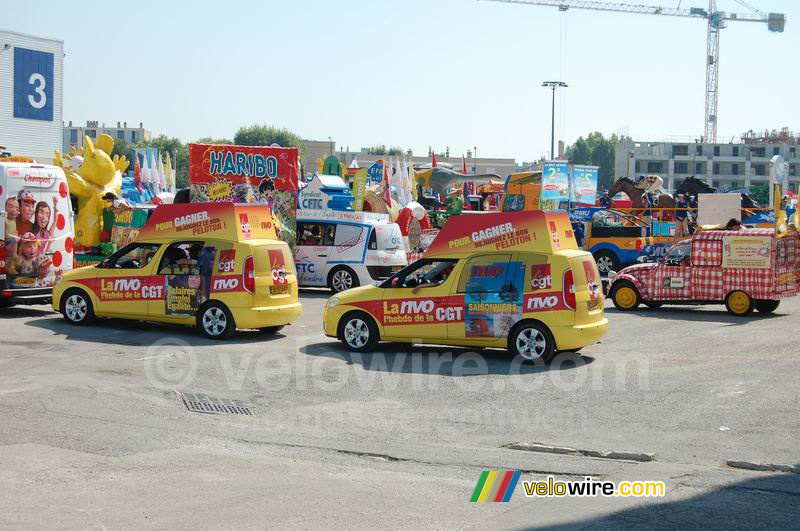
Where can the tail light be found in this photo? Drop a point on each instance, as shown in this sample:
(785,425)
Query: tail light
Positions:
(638,245)
(249,275)
(373,241)
(568,289)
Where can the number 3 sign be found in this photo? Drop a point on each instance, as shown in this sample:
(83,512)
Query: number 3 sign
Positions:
(33,84)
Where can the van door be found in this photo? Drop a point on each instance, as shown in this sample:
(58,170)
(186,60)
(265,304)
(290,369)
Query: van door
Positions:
(311,252)
(182,281)
(673,277)
(349,244)
(123,284)
(417,305)
(489,292)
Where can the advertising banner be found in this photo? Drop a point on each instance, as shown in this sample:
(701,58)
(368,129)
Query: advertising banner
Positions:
(224,221)
(186,293)
(375,172)
(555,181)
(584,184)
(248,174)
(360,188)
(751,252)
(493,300)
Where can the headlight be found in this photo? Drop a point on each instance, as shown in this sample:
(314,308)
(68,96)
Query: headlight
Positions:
(332,302)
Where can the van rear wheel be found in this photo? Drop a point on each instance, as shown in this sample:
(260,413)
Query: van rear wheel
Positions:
(342,278)
(739,303)
(532,341)
(215,321)
(606,262)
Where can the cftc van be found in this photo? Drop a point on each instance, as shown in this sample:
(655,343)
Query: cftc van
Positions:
(515,280)
(37,231)
(217,266)
(344,249)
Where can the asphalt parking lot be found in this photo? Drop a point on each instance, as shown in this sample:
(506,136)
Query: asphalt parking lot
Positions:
(93,432)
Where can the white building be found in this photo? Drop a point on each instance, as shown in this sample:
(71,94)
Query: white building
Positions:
(73,135)
(31,89)
(725,166)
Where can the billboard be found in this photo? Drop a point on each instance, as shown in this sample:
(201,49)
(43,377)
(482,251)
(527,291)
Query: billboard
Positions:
(584,184)
(555,182)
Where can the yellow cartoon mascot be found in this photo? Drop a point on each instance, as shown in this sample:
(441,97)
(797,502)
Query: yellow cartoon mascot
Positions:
(92,173)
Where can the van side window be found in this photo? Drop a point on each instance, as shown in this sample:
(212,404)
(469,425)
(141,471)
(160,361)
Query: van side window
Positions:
(481,273)
(348,235)
(424,273)
(315,234)
(134,256)
(707,253)
(182,258)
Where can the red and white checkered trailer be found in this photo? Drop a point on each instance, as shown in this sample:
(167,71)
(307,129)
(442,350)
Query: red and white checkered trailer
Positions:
(745,270)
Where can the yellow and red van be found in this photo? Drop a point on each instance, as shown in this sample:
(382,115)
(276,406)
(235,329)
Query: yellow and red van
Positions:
(509,279)
(219,266)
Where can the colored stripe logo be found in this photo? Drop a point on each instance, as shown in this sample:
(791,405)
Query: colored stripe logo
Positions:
(494,486)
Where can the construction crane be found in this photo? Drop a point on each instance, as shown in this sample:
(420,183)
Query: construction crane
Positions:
(717,20)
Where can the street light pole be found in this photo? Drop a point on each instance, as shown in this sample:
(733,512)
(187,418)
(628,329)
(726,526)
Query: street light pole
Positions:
(553,85)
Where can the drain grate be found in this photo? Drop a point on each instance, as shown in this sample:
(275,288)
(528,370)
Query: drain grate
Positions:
(198,403)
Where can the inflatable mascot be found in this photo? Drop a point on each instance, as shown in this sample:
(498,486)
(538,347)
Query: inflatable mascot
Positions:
(91,173)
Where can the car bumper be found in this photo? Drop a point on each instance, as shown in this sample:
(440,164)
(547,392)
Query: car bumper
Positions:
(578,336)
(27,295)
(266,316)
(330,321)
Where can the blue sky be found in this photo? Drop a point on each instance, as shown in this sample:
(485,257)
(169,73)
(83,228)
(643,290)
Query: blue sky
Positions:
(414,73)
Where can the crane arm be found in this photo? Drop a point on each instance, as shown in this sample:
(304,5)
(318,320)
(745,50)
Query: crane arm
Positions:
(564,5)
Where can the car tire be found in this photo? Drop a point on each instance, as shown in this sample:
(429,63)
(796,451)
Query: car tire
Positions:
(6,303)
(606,262)
(358,332)
(767,305)
(739,303)
(76,307)
(215,321)
(271,329)
(653,305)
(342,278)
(532,341)
(625,296)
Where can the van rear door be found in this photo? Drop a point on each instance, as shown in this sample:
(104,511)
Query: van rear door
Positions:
(274,278)
(586,286)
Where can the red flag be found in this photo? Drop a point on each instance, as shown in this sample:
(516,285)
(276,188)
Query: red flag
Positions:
(433,158)
(387,190)
(137,172)
(463,165)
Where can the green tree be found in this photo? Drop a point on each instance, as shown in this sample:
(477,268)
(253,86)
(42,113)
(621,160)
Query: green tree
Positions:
(122,147)
(596,150)
(178,153)
(392,151)
(266,135)
(212,140)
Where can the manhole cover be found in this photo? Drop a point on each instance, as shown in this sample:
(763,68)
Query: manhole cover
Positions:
(209,404)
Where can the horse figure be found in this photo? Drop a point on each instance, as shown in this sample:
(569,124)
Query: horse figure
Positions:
(639,202)
(694,186)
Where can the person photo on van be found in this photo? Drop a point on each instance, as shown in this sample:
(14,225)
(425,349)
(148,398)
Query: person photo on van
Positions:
(12,212)
(27,204)
(42,217)
(26,260)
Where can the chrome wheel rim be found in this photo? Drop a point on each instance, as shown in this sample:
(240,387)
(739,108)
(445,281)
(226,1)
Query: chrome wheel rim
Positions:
(342,280)
(356,333)
(75,308)
(531,344)
(604,264)
(214,321)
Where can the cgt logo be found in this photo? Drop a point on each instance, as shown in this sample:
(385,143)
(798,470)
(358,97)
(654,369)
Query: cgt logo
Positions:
(540,277)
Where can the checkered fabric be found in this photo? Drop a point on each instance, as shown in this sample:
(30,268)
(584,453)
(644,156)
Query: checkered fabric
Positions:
(708,283)
(758,283)
(707,252)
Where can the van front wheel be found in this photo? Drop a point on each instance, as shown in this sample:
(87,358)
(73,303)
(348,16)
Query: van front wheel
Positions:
(342,278)
(358,332)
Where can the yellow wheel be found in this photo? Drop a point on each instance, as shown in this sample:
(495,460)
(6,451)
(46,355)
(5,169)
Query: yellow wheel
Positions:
(625,296)
(739,303)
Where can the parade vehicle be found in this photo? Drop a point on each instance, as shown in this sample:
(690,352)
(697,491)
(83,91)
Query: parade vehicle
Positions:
(218,266)
(515,280)
(346,249)
(37,231)
(743,269)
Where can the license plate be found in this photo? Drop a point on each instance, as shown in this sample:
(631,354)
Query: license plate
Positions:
(279,289)
(594,305)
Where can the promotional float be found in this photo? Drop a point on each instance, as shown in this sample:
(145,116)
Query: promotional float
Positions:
(338,247)
(37,231)
(744,269)
(514,280)
(218,266)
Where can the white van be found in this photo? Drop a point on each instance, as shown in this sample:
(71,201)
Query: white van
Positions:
(342,250)
(37,231)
